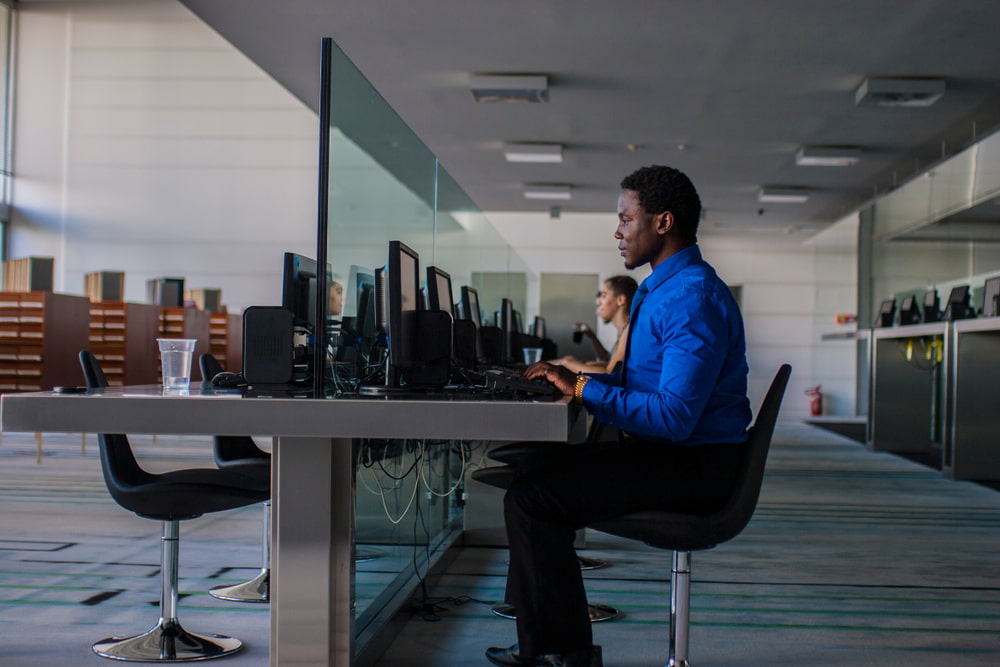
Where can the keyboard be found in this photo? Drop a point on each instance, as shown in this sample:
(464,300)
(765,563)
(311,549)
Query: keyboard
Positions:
(503,381)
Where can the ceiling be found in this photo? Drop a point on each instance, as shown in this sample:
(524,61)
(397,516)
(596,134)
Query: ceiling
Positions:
(726,90)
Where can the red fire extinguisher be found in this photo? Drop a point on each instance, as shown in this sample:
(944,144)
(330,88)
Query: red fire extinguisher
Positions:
(815,400)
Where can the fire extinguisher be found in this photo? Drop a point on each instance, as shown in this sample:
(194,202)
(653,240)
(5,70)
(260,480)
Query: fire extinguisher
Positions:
(815,400)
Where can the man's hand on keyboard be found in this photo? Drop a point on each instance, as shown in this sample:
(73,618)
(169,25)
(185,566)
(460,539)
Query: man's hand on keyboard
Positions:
(563,378)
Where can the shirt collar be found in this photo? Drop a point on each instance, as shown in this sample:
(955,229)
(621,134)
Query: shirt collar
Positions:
(670,266)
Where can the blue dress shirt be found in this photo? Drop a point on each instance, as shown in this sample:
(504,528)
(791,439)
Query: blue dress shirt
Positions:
(685,375)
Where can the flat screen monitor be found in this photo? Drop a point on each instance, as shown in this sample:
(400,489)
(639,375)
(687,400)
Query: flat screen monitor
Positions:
(359,302)
(470,305)
(538,327)
(909,310)
(298,290)
(402,304)
(958,303)
(439,290)
(886,312)
(991,297)
(931,313)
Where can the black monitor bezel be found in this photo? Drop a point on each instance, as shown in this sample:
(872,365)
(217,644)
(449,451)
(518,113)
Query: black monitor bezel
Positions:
(470,305)
(991,297)
(435,300)
(299,289)
(401,324)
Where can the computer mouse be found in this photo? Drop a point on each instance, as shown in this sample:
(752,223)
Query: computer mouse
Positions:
(228,379)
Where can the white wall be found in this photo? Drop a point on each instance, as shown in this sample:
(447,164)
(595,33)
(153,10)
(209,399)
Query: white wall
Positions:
(792,289)
(146,143)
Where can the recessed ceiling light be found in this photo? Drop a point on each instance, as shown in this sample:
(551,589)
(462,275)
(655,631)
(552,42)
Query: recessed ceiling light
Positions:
(899,92)
(533,152)
(510,88)
(547,192)
(827,156)
(783,195)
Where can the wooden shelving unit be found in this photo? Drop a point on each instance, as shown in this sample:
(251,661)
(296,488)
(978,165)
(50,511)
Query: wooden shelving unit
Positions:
(41,335)
(123,338)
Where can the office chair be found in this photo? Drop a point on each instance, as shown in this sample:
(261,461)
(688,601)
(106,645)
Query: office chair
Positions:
(240,454)
(684,533)
(169,497)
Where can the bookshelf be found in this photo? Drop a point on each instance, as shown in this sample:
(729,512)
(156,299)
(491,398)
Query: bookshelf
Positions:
(123,338)
(41,336)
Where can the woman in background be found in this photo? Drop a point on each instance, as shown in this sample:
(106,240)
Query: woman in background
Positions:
(614,303)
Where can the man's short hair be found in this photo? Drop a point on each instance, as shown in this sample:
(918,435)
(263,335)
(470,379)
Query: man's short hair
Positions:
(664,189)
(623,286)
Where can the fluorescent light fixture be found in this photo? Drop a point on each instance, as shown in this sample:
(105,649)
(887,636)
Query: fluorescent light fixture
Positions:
(783,195)
(888,92)
(510,88)
(533,152)
(547,192)
(827,156)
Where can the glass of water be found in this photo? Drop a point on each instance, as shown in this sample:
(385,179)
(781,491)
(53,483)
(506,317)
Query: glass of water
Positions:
(175,360)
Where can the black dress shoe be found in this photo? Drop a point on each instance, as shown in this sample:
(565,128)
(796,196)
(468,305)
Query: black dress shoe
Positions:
(510,657)
(507,657)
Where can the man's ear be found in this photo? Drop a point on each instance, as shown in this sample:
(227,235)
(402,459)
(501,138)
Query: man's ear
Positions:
(664,222)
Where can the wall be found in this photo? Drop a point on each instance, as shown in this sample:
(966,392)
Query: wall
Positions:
(792,290)
(146,143)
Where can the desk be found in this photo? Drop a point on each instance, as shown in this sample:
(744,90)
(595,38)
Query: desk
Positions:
(312,620)
(907,406)
(971,451)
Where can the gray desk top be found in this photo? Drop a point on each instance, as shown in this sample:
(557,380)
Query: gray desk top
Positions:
(145,409)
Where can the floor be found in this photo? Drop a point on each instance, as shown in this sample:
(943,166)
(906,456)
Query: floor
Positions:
(853,558)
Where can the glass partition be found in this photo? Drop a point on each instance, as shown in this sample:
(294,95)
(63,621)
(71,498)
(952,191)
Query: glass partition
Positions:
(384,184)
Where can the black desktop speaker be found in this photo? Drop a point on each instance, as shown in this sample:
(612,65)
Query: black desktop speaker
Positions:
(466,349)
(433,349)
(267,345)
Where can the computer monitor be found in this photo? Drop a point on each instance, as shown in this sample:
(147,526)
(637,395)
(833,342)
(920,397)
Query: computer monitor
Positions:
(909,310)
(439,290)
(958,303)
(931,312)
(298,290)
(538,327)
(401,276)
(359,303)
(991,297)
(470,305)
(886,313)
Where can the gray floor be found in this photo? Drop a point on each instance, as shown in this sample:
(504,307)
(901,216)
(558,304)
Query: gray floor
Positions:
(853,558)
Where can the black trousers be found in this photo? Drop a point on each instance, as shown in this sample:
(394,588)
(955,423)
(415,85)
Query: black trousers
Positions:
(567,487)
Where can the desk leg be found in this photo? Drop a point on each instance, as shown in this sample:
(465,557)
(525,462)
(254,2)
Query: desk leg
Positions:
(312,563)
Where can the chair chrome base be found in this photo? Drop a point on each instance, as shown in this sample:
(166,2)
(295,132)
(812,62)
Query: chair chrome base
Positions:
(257,589)
(587,563)
(364,554)
(167,642)
(598,612)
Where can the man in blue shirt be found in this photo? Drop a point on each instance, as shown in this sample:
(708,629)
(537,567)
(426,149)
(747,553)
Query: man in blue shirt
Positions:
(680,403)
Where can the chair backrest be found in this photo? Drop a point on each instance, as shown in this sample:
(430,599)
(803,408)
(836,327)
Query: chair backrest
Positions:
(210,366)
(229,449)
(743,502)
(93,374)
(121,470)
